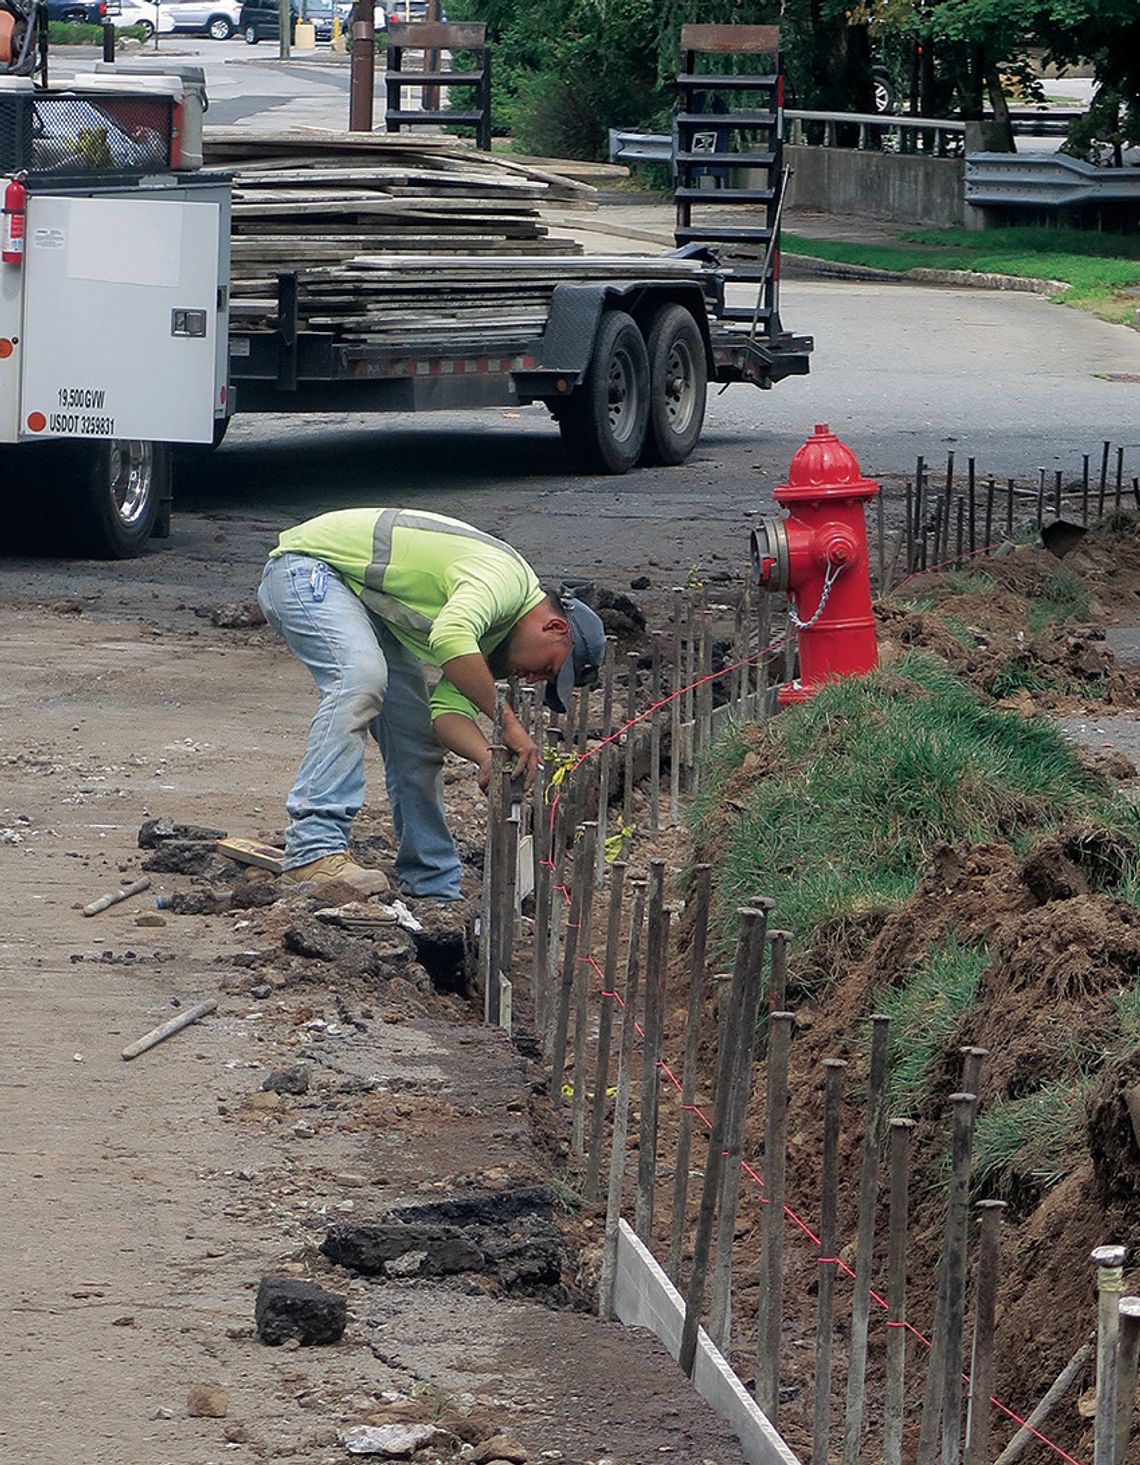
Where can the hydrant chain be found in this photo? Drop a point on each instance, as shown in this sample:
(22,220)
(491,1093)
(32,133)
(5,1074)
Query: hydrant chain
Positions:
(832,574)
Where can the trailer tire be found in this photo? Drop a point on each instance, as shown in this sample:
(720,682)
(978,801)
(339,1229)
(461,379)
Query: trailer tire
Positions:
(678,385)
(604,422)
(119,490)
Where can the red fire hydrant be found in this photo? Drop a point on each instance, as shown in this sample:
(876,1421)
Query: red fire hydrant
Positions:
(818,555)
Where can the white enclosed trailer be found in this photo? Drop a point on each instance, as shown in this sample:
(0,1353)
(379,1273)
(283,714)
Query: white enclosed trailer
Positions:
(113,308)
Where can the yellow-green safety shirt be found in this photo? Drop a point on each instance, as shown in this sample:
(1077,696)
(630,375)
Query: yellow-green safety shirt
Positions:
(442,587)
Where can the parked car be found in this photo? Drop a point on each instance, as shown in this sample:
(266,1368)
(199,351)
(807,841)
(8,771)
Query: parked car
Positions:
(79,12)
(884,89)
(145,15)
(260,19)
(345,10)
(218,19)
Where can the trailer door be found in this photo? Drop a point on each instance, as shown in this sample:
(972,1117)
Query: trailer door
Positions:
(120,319)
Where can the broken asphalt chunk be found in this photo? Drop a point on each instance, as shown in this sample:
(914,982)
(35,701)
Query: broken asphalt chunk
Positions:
(288,1307)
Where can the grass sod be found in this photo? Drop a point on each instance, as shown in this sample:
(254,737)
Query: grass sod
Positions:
(1098,267)
(1022,1146)
(923,1010)
(1057,596)
(854,790)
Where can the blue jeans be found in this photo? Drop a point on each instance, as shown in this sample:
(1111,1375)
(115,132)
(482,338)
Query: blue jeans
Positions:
(368,683)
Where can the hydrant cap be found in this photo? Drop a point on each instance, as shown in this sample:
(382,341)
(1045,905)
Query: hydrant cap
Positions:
(825,467)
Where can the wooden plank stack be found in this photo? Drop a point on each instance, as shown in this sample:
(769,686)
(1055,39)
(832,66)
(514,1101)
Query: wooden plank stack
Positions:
(400,240)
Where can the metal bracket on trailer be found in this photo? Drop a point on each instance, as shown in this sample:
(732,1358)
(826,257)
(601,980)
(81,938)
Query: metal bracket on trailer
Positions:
(287,331)
(758,360)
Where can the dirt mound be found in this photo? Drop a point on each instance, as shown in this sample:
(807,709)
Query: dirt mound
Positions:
(1108,561)
(1114,1135)
(1013,627)
(1049,990)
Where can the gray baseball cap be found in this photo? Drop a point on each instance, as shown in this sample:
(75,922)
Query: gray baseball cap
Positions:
(588,651)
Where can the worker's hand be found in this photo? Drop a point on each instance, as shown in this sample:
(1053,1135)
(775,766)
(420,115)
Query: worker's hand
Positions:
(523,746)
(526,762)
(484,774)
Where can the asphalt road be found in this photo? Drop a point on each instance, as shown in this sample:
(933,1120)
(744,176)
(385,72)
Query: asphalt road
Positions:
(1006,378)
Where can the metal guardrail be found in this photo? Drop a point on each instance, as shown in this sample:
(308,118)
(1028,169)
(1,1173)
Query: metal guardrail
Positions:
(1050,180)
(1015,180)
(640,147)
(937,135)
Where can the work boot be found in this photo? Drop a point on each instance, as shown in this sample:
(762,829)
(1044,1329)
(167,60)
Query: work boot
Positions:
(339,868)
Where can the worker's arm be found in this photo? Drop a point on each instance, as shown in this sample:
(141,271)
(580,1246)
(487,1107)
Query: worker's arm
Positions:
(460,735)
(471,676)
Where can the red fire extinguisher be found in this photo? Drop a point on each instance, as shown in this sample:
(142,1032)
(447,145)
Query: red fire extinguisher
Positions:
(15,217)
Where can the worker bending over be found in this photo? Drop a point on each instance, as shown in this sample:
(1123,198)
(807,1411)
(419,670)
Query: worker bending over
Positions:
(363,597)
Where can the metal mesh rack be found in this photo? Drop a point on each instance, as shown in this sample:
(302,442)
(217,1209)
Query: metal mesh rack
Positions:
(86,134)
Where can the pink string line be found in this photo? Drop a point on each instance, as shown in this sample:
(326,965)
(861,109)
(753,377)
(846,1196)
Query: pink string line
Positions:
(746,1168)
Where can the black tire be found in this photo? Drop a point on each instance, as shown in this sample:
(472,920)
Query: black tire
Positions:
(251,36)
(678,386)
(604,422)
(884,93)
(118,490)
(146,28)
(219,27)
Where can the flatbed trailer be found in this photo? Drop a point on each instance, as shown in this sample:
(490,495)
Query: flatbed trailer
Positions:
(622,359)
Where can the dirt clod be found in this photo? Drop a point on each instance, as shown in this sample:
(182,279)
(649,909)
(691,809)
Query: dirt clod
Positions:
(208,1401)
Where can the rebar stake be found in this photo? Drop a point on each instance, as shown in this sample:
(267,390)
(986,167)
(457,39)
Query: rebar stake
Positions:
(702,881)
(753,925)
(621,1101)
(655,740)
(631,661)
(656,947)
(864,1240)
(833,1070)
(583,876)
(702,1240)
(771,1309)
(978,1409)
(894,1390)
(1109,1285)
(605,761)
(1128,1358)
(675,715)
(605,1033)
(582,988)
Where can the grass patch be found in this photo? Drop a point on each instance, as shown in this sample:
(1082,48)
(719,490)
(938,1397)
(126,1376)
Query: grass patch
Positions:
(1128,1004)
(835,808)
(923,1011)
(1098,267)
(1022,1146)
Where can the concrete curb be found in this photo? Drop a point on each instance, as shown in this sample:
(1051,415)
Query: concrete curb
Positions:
(811,267)
(644,1297)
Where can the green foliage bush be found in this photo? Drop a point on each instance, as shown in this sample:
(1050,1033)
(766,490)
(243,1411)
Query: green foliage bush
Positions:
(64,33)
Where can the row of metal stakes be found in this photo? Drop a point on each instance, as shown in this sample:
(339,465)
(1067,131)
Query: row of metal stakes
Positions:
(561,845)
(948,523)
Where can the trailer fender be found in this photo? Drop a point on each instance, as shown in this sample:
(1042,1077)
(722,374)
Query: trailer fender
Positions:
(567,345)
